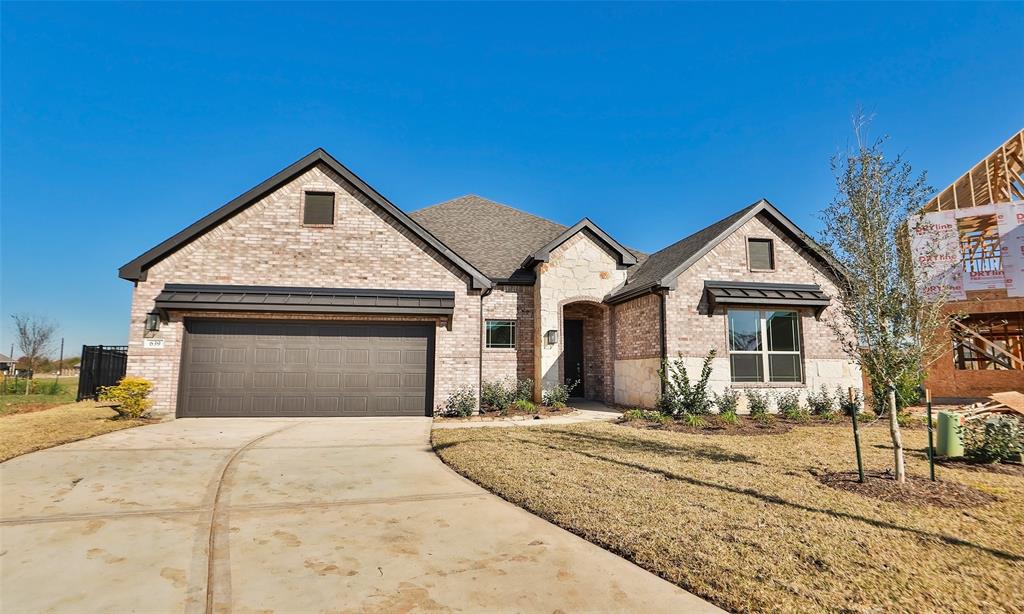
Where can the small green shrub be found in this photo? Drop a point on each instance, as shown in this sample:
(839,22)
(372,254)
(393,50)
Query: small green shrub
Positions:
(694,420)
(682,396)
(821,403)
(524,390)
(496,395)
(558,395)
(849,406)
(998,439)
(524,405)
(758,401)
(460,403)
(789,406)
(764,418)
(131,396)
(728,417)
(727,401)
(643,414)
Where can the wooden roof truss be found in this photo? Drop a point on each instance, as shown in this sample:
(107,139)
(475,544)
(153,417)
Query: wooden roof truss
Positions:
(999,178)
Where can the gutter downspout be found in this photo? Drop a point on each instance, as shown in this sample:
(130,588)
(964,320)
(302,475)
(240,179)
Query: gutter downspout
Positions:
(480,354)
(664,335)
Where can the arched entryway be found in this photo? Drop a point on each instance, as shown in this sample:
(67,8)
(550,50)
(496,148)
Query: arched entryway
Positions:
(586,350)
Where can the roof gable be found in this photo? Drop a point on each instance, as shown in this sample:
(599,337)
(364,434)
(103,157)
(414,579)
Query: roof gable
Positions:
(661,268)
(136,269)
(624,256)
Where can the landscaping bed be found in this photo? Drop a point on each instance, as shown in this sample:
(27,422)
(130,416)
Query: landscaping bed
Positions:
(747,522)
(512,413)
(27,432)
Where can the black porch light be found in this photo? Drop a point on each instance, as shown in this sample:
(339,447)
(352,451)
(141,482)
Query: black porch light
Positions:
(152,321)
(551,337)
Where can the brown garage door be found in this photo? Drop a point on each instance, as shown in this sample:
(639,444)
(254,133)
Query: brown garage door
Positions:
(305,369)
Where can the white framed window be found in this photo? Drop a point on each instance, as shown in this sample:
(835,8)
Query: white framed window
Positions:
(764,345)
(501,334)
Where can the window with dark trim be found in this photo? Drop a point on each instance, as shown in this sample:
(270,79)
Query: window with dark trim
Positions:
(318,209)
(501,333)
(761,254)
(764,346)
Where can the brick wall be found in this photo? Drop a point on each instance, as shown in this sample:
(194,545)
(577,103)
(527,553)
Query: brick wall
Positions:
(598,375)
(267,244)
(509,302)
(637,328)
(692,331)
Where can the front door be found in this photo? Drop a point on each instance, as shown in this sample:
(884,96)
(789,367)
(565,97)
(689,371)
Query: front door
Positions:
(574,356)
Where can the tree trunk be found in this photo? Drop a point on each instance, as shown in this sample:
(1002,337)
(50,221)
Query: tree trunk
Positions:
(897,439)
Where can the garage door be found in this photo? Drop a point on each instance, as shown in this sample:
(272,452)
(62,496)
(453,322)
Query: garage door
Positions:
(305,369)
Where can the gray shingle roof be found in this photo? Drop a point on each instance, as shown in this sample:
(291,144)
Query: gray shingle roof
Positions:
(495,238)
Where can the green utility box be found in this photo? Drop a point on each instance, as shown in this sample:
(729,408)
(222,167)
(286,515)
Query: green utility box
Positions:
(950,442)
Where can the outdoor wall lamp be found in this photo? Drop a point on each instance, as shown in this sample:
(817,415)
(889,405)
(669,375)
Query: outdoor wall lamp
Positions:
(152,321)
(551,337)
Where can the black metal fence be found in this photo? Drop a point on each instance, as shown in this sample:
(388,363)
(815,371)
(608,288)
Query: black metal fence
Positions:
(102,365)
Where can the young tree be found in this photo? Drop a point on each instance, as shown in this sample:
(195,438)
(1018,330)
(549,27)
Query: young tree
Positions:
(35,338)
(881,320)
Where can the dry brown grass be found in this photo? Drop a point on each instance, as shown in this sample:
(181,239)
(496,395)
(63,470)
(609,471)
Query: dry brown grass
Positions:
(28,432)
(742,522)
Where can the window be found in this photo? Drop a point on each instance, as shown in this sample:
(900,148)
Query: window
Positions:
(761,254)
(1003,330)
(319,209)
(764,341)
(501,333)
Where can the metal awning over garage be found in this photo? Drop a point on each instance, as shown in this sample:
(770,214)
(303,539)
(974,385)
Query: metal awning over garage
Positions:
(285,299)
(750,294)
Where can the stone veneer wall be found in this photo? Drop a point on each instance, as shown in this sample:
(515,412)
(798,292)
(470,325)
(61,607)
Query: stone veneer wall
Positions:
(692,331)
(508,302)
(267,244)
(638,351)
(580,269)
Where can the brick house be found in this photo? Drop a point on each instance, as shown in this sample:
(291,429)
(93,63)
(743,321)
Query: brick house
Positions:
(312,294)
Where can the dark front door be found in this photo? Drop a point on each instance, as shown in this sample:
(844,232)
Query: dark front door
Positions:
(268,368)
(574,356)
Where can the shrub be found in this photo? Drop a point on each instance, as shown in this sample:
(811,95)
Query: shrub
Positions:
(681,396)
(789,406)
(764,418)
(643,414)
(728,417)
(524,390)
(557,395)
(49,388)
(694,420)
(460,403)
(525,406)
(727,401)
(821,403)
(997,439)
(496,396)
(757,402)
(130,396)
(908,392)
(847,405)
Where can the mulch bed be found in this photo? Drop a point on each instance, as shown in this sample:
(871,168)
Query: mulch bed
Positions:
(969,465)
(916,491)
(744,425)
(512,413)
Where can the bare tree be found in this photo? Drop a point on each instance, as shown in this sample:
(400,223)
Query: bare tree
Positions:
(35,338)
(882,321)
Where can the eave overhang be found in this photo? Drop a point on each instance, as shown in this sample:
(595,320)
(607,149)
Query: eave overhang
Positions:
(752,294)
(286,299)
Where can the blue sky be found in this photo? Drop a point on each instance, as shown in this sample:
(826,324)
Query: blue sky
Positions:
(122,124)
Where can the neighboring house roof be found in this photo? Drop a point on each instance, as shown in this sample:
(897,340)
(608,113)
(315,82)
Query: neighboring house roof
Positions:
(661,268)
(136,269)
(496,238)
(6,358)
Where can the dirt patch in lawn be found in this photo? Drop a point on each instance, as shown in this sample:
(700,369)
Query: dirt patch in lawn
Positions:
(744,522)
(1016,469)
(915,491)
(27,432)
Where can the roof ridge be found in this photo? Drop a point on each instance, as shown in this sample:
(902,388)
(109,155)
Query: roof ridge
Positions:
(492,202)
(738,212)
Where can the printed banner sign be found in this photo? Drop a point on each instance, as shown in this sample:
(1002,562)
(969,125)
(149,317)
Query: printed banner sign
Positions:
(976,248)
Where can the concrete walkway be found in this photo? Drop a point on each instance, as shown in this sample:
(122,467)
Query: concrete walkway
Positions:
(586,411)
(279,515)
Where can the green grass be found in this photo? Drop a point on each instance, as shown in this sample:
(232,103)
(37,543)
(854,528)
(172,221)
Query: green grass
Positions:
(742,522)
(17,403)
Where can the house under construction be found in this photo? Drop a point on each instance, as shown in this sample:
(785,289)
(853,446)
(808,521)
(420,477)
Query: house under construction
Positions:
(986,352)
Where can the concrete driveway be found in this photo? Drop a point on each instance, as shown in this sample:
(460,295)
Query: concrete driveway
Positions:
(288,515)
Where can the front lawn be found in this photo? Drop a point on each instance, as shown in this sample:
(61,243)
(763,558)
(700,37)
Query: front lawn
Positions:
(744,522)
(27,432)
(52,392)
